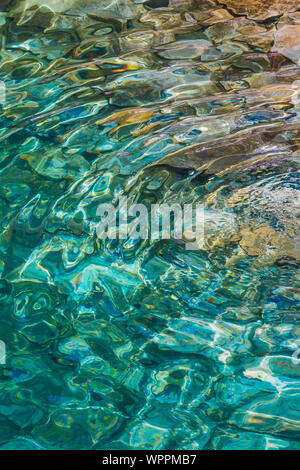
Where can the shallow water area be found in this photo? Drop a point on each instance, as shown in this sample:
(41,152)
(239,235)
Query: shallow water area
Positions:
(143,344)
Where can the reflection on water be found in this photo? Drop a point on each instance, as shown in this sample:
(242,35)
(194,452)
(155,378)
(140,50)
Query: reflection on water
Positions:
(141,344)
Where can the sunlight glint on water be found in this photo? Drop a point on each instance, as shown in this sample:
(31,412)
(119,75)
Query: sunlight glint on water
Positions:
(142,344)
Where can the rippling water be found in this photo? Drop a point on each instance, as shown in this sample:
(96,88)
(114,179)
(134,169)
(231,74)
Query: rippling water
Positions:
(126,344)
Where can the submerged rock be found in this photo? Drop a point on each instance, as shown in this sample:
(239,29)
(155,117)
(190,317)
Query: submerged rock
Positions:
(135,342)
(255,241)
(210,17)
(260,9)
(119,9)
(287,42)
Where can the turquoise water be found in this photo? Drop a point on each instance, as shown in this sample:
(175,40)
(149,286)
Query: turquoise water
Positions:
(142,344)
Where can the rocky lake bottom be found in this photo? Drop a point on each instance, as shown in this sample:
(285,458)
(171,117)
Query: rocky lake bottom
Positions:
(141,343)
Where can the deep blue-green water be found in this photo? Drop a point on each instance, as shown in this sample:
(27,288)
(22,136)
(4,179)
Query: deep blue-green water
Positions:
(143,344)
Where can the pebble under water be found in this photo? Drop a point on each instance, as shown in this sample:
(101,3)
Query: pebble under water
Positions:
(142,344)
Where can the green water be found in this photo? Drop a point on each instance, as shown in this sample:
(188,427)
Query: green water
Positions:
(143,344)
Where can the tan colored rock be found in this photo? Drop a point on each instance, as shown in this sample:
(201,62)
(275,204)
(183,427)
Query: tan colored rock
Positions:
(161,19)
(204,4)
(125,118)
(54,5)
(119,9)
(238,197)
(256,35)
(262,242)
(287,42)
(255,241)
(208,18)
(290,18)
(213,241)
(260,9)
(243,30)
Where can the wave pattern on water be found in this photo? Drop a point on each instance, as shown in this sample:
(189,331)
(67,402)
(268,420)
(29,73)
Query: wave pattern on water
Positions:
(141,344)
